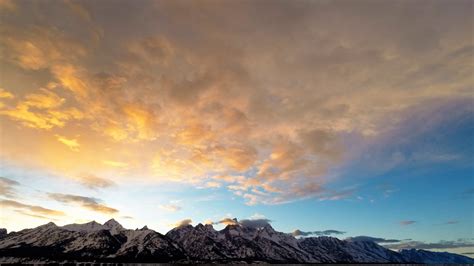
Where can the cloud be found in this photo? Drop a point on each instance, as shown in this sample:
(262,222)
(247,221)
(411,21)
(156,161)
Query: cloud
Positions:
(338,195)
(460,243)
(85,202)
(227,221)
(35,215)
(254,223)
(5,94)
(115,163)
(72,144)
(7,187)
(7,5)
(43,110)
(274,117)
(377,240)
(170,207)
(298,232)
(452,222)
(468,193)
(213,184)
(95,182)
(37,210)
(183,223)
(407,222)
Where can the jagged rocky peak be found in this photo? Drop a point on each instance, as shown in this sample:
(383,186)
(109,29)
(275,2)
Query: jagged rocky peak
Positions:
(209,227)
(48,225)
(184,227)
(112,223)
(144,228)
(3,232)
(199,225)
(268,228)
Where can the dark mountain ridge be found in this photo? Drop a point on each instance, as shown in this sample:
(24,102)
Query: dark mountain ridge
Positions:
(110,242)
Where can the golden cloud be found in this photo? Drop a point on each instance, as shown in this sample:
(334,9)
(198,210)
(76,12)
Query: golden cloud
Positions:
(42,110)
(32,208)
(85,202)
(5,94)
(72,144)
(203,107)
(182,223)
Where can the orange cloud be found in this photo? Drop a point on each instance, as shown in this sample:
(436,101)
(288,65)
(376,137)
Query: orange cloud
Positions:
(86,202)
(43,110)
(5,94)
(32,208)
(182,223)
(201,107)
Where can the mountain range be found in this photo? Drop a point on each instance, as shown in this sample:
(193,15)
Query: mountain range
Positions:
(236,243)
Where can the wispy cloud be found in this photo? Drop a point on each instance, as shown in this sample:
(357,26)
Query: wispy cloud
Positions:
(85,202)
(72,144)
(182,223)
(227,221)
(298,232)
(374,239)
(95,182)
(8,187)
(49,218)
(253,222)
(32,208)
(452,222)
(468,193)
(407,222)
(170,207)
(460,243)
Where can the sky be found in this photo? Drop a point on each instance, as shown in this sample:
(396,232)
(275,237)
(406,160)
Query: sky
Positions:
(341,118)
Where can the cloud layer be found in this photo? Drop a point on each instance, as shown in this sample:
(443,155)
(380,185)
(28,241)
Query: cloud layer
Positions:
(242,100)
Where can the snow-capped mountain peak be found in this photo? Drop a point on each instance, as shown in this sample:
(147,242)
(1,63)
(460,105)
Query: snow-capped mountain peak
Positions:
(85,227)
(113,226)
(112,223)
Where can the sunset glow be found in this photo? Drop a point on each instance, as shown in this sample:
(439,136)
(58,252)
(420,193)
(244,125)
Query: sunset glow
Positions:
(354,116)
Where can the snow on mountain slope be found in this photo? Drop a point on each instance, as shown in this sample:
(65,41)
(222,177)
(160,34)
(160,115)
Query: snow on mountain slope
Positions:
(200,242)
(93,226)
(146,245)
(110,242)
(89,242)
(87,227)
